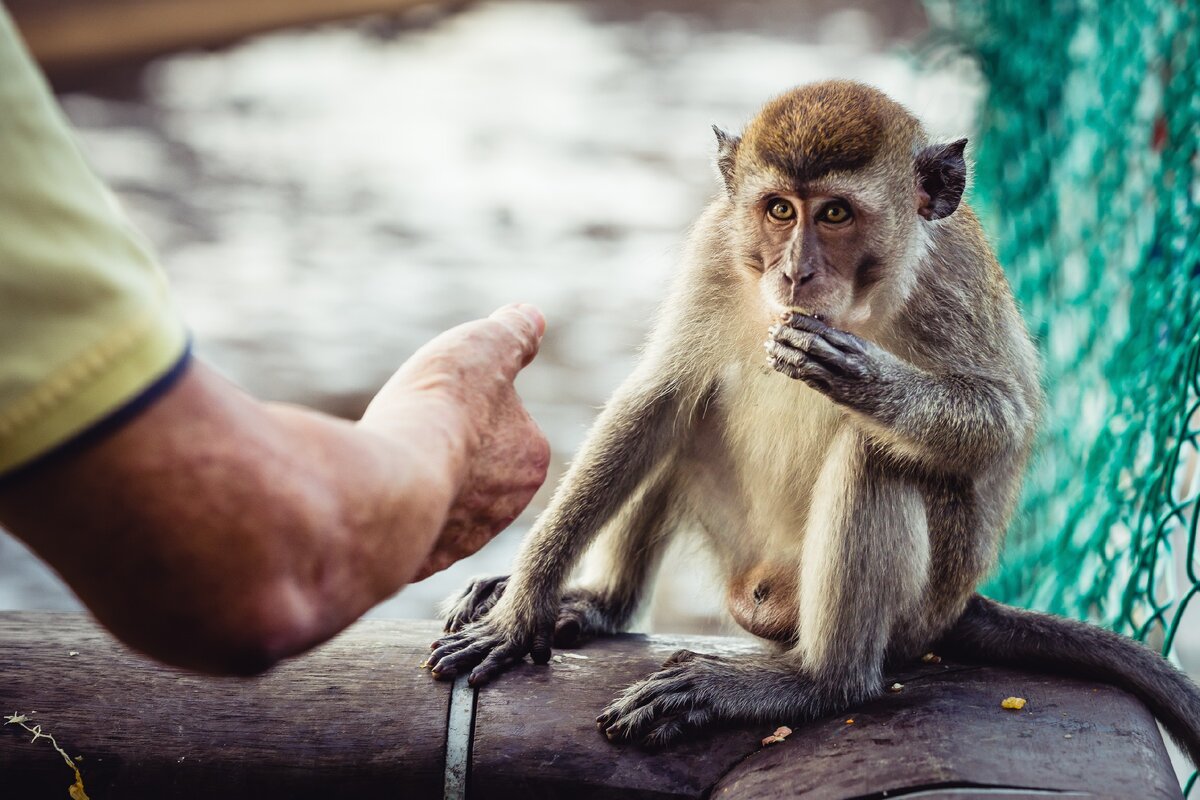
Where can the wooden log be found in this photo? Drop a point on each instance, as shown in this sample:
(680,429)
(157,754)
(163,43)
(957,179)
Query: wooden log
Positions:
(74,34)
(359,718)
(946,735)
(536,734)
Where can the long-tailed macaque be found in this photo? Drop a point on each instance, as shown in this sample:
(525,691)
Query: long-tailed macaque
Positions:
(854,485)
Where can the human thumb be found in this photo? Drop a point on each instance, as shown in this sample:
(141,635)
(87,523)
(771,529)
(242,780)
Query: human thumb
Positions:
(526,323)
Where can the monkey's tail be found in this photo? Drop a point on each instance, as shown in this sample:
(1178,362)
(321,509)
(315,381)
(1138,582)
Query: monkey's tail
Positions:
(998,634)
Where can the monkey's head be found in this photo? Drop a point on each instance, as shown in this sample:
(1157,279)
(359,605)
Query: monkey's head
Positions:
(832,185)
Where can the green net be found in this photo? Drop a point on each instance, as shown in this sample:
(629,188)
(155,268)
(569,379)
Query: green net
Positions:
(1088,178)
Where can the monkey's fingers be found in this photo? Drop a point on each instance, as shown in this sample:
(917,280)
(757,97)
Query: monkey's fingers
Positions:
(573,628)
(497,661)
(796,364)
(450,639)
(447,661)
(540,652)
(475,601)
(800,344)
(843,340)
(568,631)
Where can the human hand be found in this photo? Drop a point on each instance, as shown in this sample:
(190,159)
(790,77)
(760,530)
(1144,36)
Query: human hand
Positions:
(469,371)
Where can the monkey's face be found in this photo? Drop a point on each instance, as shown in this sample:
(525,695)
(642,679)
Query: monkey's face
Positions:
(814,250)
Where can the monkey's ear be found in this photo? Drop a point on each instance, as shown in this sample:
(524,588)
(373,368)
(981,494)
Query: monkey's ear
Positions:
(941,179)
(727,145)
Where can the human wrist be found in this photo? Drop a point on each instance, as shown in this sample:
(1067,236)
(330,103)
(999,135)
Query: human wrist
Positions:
(431,423)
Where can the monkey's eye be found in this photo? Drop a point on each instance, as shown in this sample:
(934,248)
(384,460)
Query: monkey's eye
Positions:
(781,210)
(835,213)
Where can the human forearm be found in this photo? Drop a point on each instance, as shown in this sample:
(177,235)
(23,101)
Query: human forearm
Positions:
(219,533)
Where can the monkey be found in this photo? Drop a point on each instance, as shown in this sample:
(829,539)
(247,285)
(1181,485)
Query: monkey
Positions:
(853,486)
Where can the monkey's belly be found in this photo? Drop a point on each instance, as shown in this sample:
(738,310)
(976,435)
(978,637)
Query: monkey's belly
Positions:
(763,600)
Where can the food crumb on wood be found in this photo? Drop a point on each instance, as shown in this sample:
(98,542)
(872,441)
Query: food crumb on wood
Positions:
(557,659)
(1066,736)
(781,733)
(931,658)
(1013,703)
(896,687)
(72,652)
(849,722)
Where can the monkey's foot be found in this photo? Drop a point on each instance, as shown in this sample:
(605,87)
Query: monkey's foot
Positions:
(690,692)
(694,691)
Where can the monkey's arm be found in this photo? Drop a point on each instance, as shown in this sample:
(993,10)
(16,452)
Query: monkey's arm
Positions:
(626,552)
(964,421)
(631,436)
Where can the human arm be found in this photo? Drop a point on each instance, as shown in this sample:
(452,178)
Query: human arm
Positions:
(220,533)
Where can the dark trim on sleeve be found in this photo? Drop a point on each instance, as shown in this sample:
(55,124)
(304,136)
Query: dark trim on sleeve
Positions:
(107,424)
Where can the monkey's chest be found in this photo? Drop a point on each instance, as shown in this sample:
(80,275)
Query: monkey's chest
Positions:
(756,460)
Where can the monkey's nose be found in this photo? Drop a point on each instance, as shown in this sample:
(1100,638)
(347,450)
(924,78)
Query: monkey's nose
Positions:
(800,278)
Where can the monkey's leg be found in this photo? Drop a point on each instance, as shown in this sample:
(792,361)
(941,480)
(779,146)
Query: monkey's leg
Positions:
(864,567)
(630,439)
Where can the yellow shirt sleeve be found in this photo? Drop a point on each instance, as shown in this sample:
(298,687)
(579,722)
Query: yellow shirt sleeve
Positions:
(86,325)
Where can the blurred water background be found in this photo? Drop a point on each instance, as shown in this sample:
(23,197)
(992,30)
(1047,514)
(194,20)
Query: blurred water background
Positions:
(325,200)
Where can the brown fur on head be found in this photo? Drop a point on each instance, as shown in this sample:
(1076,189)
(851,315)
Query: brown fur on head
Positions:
(830,185)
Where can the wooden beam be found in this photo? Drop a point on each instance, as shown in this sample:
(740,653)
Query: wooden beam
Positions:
(70,34)
(359,718)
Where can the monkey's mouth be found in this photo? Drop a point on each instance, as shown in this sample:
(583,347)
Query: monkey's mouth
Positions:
(803,312)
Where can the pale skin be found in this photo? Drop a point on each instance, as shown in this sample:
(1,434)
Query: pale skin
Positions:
(222,534)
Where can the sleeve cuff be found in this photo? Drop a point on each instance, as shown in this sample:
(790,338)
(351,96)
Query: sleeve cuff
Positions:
(116,393)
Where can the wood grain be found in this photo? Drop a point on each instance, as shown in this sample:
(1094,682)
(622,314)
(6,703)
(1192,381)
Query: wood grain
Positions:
(536,734)
(355,718)
(946,735)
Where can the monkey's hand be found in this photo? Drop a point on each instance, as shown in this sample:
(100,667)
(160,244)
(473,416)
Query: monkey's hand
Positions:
(489,647)
(582,615)
(694,691)
(846,368)
(474,603)
(954,420)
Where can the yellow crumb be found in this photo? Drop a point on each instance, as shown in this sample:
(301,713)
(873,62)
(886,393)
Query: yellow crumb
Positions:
(1014,703)
(930,658)
(849,722)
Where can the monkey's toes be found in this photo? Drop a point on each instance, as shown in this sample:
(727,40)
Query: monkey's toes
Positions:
(679,657)
(622,722)
(654,725)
